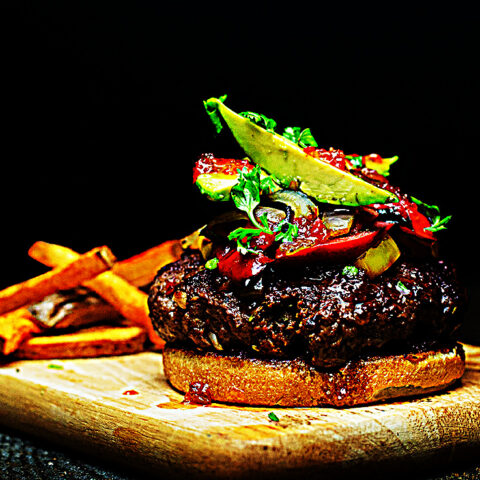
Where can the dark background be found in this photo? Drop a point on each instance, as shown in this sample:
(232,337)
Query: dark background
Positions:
(103,116)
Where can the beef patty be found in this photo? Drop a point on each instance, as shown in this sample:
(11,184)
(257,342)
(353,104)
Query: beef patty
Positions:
(319,313)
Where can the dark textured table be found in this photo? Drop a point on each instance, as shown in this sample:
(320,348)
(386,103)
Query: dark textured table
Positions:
(26,458)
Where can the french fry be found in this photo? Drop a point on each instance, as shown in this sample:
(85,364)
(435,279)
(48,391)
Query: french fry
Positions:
(16,327)
(89,342)
(127,299)
(141,269)
(138,270)
(57,257)
(63,277)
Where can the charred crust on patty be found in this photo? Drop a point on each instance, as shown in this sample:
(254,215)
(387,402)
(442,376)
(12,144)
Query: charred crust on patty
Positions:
(322,314)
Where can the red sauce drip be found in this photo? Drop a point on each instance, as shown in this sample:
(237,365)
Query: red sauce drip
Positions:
(130,392)
(334,157)
(207,163)
(198,394)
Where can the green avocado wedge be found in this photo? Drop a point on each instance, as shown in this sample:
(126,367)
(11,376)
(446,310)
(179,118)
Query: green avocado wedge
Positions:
(217,186)
(292,166)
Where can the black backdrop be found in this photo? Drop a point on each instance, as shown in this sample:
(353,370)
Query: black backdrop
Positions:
(103,116)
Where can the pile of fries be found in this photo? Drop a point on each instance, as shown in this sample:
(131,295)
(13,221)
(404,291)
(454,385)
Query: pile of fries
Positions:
(118,285)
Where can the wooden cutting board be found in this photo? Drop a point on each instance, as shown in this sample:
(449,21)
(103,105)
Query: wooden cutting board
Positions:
(82,403)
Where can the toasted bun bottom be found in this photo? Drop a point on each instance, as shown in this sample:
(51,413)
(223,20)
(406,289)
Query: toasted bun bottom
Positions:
(295,383)
(94,341)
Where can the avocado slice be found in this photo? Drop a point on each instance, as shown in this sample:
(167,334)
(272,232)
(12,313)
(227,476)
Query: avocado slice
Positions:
(291,165)
(217,186)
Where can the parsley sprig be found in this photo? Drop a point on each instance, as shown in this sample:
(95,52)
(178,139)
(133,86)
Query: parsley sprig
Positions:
(246,197)
(246,192)
(303,138)
(269,124)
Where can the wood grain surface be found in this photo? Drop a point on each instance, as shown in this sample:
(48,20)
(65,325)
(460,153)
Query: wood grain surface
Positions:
(83,403)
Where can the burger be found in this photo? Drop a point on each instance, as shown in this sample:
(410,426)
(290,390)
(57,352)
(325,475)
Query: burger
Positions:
(316,283)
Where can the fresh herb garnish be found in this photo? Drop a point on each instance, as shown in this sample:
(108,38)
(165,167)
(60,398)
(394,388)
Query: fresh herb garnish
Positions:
(303,138)
(246,196)
(267,185)
(212,111)
(273,417)
(269,124)
(350,271)
(356,161)
(246,192)
(286,231)
(55,367)
(433,214)
(439,223)
(402,288)
(212,264)
(243,236)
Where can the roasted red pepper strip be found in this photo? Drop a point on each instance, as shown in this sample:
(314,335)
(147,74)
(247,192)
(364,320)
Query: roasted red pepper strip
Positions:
(239,267)
(409,210)
(339,248)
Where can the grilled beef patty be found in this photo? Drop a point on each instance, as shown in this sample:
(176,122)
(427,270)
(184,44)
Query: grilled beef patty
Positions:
(318,313)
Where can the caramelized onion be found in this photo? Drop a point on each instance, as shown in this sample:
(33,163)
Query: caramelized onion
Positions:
(300,204)
(338,222)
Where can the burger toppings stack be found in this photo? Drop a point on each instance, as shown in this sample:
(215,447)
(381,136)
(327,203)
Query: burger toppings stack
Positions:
(319,283)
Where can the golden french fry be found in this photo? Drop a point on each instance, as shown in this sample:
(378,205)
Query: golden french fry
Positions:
(15,327)
(127,299)
(63,277)
(138,270)
(141,269)
(88,342)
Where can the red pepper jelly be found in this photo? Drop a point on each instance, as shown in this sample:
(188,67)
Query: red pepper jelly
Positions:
(207,163)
